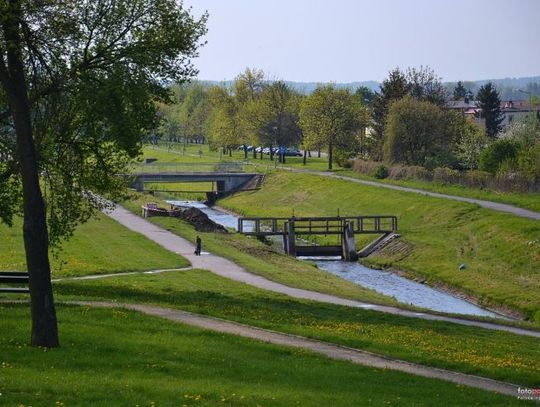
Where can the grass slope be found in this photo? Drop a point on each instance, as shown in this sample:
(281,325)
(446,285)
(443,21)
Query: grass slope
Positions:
(120,358)
(260,259)
(99,246)
(494,354)
(503,262)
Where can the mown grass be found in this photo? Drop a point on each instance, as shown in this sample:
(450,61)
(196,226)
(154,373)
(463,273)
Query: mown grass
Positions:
(501,252)
(524,200)
(122,358)
(261,259)
(494,354)
(99,246)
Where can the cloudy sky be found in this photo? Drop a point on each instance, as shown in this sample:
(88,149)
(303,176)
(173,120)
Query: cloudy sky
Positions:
(356,40)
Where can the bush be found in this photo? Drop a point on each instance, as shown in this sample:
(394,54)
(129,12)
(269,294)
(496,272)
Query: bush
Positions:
(497,153)
(381,172)
(446,175)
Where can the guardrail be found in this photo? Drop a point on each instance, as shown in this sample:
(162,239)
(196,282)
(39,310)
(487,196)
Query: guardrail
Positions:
(172,168)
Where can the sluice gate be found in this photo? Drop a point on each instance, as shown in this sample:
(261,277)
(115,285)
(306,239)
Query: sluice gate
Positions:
(294,230)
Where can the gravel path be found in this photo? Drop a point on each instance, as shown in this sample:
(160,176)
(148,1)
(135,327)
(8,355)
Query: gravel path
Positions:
(500,207)
(330,350)
(226,268)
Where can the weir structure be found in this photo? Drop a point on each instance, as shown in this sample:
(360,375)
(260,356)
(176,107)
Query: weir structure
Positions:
(295,230)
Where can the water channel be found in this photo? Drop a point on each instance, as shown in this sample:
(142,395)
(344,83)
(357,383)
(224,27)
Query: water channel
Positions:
(402,289)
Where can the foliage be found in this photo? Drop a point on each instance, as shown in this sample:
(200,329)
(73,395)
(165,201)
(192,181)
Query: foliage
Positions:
(425,85)
(498,152)
(331,117)
(381,172)
(490,103)
(460,92)
(365,95)
(392,88)
(94,70)
(469,145)
(415,133)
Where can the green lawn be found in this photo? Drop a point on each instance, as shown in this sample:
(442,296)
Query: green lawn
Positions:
(100,246)
(524,200)
(494,354)
(264,260)
(502,252)
(121,358)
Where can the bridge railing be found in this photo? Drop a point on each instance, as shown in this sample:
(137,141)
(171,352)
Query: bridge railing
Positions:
(267,226)
(171,168)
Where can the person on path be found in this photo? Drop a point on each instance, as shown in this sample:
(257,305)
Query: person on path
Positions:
(198,243)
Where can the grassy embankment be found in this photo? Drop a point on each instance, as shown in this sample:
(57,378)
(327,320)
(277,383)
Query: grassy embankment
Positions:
(248,253)
(494,354)
(501,252)
(120,358)
(524,200)
(99,246)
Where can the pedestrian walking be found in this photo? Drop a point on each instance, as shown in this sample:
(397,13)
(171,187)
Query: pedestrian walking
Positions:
(198,245)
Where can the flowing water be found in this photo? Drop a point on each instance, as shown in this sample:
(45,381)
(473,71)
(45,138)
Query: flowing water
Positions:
(402,289)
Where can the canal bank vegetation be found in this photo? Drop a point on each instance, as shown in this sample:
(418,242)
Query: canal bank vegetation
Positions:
(495,354)
(117,357)
(500,252)
(99,246)
(259,258)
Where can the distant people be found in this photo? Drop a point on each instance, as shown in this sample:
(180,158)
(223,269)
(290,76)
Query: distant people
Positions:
(198,245)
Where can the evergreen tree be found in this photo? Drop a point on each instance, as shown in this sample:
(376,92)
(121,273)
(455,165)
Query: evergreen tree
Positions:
(459,91)
(490,103)
(393,88)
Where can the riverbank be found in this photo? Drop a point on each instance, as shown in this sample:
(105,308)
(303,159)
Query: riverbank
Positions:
(501,258)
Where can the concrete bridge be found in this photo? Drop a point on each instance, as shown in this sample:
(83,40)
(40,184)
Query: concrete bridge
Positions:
(224,183)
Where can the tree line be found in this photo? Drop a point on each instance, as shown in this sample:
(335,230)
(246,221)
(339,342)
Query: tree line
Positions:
(257,112)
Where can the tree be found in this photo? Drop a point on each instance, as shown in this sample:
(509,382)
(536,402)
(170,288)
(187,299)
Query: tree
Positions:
(365,95)
(490,105)
(425,85)
(274,116)
(78,86)
(416,133)
(331,117)
(471,143)
(460,92)
(392,88)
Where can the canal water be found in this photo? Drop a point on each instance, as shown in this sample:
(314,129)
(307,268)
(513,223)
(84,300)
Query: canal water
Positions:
(403,290)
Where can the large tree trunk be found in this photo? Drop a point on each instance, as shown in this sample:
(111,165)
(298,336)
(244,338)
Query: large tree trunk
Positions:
(330,148)
(36,242)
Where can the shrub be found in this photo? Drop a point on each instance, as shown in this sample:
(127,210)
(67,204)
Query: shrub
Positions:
(446,175)
(381,172)
(497,153)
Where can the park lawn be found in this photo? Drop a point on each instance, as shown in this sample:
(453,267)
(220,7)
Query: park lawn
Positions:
(524,200)
(261,259)
(99,246)
(521,199)
(501,251)
(195,191)
(122,358)
(496,354)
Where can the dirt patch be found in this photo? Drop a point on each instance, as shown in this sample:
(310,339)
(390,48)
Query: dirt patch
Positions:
(200,221)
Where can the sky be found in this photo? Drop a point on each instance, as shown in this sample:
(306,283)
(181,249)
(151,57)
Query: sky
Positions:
(359,40)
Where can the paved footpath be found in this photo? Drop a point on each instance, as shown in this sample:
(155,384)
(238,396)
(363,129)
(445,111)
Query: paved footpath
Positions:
(496,206)
(226,268)
(330,350)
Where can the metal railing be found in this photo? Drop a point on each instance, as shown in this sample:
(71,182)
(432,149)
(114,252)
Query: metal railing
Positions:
(267,226)
(175,168)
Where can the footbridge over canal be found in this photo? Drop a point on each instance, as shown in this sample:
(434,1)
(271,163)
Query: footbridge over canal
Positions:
(294,229)
(223,183)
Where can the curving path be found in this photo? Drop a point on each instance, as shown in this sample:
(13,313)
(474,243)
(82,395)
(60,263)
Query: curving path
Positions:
(496,206)
(330,350)
(228,269)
